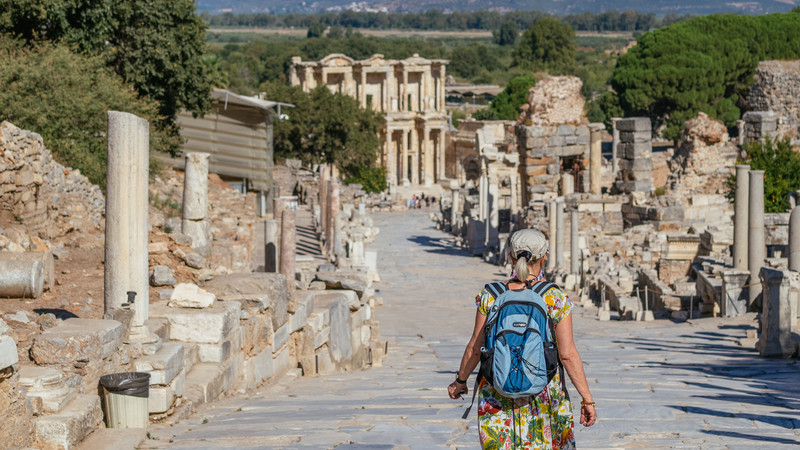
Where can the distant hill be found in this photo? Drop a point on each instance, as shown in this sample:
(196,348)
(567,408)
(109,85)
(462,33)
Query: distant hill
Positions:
(559,7)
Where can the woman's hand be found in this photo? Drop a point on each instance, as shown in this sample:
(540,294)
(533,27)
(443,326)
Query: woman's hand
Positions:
(456,390)
(588,415)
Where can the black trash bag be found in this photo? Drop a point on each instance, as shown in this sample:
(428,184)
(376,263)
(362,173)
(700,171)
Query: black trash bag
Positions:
(133,384)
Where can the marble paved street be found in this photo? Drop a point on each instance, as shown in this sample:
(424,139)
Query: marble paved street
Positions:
(657,385)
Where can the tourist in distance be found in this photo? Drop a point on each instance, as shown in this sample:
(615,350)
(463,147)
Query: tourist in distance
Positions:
(541,420)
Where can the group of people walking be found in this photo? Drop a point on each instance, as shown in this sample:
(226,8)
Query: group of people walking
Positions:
(509,416)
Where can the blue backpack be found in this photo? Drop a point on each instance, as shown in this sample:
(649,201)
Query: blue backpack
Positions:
(519,357)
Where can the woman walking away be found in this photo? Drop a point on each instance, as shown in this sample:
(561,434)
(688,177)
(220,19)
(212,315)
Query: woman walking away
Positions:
(540,420)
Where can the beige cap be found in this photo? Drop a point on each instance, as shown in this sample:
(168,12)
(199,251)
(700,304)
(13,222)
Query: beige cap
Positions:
(528,240)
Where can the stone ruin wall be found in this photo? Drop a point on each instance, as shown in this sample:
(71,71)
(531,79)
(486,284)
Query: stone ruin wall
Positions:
(40,195)
(776,88)
(551,126)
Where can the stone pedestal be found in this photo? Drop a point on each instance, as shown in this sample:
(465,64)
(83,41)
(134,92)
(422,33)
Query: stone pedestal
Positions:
(794,239)
(740,217)
(780,290)
(757,250)
(288,252)
(734,293)
(126,259)
(195,202)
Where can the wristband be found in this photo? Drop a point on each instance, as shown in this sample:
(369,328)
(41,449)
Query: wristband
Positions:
(588,403)
(460,381)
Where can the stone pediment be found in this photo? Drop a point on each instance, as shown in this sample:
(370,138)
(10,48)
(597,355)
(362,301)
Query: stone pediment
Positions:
(337,60)
(374,60)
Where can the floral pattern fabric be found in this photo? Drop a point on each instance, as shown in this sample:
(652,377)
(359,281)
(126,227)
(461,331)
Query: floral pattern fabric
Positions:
(543,421)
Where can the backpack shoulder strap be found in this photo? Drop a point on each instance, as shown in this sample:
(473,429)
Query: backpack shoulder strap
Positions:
(496,288)
(540,287)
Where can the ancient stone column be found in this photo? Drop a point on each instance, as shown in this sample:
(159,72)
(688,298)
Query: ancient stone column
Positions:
(560,259)
(288,250)
(574,252)
(551,260)
(271,236)
(194,221)
(415,150)
(740,217)
(126,240)
(595,158)
(404,158)
(514,180)
(324,175)
(442,152)
(567,184)
(740,128)
(427,146)
(494,212)
(333,211)
(614,145)
(454,212)
(777,315)
(21,279)
(391,159)
(794,240)
(483,192)
(757,250)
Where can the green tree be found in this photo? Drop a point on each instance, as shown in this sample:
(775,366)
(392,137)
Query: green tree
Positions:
(548,45)
(345,135)
(703,64)
(64,97)
(316,30)
(466,61)
(506,34)
(157,46)
(336,32)
(507,103)
(781,166)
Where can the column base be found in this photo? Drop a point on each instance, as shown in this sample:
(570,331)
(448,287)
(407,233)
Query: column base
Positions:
(406,183)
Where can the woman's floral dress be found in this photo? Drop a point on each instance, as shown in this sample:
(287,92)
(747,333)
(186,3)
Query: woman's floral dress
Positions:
(543,421)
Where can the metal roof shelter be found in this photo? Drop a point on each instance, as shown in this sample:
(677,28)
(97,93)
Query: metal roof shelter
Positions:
(237,133)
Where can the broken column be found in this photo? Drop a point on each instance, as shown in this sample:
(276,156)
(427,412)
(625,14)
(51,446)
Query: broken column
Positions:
(323,198)
(333,211)
(271,236)
(778,315)
(493,221)
(794,240)
(574,253)
(740,217)
(614,145)
(757,250)
(126,216)
(21,279)
(567,184)
(194,221)
(635,151)
(454,212)
(551,260)
(595,157)
(560,259)
(288,251)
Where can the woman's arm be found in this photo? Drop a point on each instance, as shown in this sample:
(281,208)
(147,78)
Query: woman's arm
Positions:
(471,358)
(571,360)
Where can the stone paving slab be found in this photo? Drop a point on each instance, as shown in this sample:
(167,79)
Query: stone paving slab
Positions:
(657,384)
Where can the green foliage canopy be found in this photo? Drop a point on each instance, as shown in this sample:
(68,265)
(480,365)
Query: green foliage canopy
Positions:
(65,97)
(507,103)
(506,34)
(549,45)
(154,45)
(781,166)
(703,64)
(325,128)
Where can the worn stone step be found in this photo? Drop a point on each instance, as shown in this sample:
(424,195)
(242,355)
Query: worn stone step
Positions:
(71,425)
(164,365)
(77,340)
(46,389)
(205,382)
(114,438)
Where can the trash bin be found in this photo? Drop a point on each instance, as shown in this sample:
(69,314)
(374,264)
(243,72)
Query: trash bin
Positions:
(126,399)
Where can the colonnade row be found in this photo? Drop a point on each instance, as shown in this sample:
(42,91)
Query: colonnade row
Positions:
(414,155)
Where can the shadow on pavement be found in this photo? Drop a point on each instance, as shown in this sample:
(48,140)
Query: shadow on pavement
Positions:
(441,246)
(751,437)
